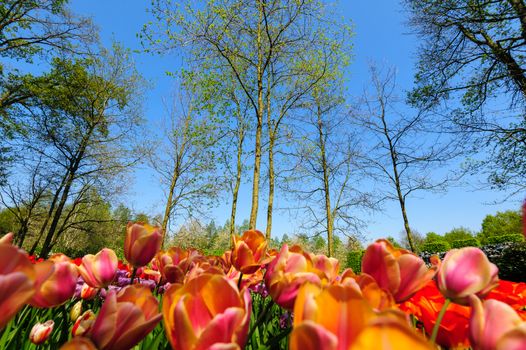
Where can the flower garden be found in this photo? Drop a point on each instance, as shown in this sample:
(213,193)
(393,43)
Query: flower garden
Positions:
(253,297)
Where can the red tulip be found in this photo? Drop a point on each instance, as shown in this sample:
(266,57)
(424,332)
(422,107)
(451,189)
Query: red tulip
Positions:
(125,318)
(17,276)
(249,251)
(465,272)
(99,270)
(88,292)
(55,284)
(83,324)
(141,244)
(41,331)
(208,312)
(397,270)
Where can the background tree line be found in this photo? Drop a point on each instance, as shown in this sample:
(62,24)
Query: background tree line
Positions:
(262,100)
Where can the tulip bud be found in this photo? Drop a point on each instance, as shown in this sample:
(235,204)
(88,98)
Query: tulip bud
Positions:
(41,331)
(83,324)
(141,244)
(75,311)
(87,292)
(465,272)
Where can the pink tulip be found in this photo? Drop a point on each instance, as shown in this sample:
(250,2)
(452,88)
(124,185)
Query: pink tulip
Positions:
(41,331)
(17,276)
(514,339)
(99,270)
(289,270)
(465,272)
(399,271)
(489,322)
(174,263)
(249,251)
(7,238)
(59,285)
(208,312)
(141,244)
(328,267)
(125,318)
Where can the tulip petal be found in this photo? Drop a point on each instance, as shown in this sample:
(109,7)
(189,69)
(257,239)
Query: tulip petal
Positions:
(381,264)
(311,336)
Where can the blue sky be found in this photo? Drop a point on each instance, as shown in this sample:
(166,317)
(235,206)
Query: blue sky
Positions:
(381,35)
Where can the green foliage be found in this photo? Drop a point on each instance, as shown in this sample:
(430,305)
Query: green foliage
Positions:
(467,242)
(354,260)
(436,246)
(505,238)
(512,262)
(458,234)
(502,223)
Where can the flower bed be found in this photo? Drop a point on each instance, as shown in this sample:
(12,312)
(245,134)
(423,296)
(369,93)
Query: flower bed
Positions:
(252,297)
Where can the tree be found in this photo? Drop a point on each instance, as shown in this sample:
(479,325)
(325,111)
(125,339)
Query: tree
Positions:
(80,122)
(502,223)
(457,234)
(30,29)
(473,53)
(186,162)
(405,148)
(256,42)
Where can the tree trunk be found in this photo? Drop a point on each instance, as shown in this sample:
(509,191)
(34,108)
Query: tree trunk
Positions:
(168,207)
(259,127)
(271,180)
(326,188)
(239,169)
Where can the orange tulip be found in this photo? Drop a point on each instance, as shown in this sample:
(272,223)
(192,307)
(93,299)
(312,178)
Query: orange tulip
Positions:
(289,270)
(88,292)
(399,271)
(175,263)
(141,244)
(79,343)
(41,331)
(207,312)
(55,284)
(125,318)
(99,270)
(328,268)
(249,251)
(17,276)
(464,272)
(337,317)
(378,298)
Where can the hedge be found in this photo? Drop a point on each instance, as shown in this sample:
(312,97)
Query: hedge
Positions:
(505,238)
(354,260)
(468,242)
(435,246)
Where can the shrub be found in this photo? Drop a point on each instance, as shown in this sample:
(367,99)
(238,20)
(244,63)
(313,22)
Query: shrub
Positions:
(354,260)
(436,246)
(468,242)
(512,262)
(505,238)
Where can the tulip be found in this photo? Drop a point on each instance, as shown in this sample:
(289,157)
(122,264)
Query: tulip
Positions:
(17,276)
(41,331)
(141,244)
(7,238)
(489,322)
(378,298)
(75,311)
(55,284)
(514,339)
(99,270)
(79,343)
(125,318)
(465,272)
(208,312)
(399,271)
(249,251)
(175,263)
(83,324)
(289,270)
(337,317)
(328,267)
(87,292)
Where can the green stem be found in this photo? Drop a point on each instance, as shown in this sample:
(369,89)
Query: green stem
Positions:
(261,317)
(134,272)
(439,320)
